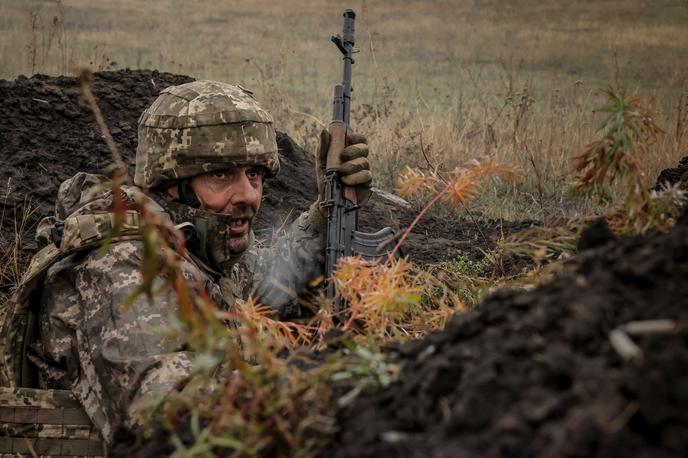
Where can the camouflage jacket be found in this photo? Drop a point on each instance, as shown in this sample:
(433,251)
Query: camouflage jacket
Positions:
(111,358)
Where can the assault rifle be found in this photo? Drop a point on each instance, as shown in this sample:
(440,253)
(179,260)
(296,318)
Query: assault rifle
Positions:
(343,238)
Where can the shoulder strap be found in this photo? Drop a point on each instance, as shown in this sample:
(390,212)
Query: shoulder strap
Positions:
(81,233)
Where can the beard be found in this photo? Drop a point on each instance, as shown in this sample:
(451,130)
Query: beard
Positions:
(239,243)
(240,230)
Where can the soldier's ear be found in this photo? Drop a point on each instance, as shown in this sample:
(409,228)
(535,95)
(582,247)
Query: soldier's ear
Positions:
(186,193)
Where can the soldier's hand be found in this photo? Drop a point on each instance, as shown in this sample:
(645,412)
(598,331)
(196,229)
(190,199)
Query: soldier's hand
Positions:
(354,170)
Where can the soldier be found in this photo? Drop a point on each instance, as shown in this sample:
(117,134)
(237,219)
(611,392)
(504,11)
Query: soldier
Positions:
(204,151)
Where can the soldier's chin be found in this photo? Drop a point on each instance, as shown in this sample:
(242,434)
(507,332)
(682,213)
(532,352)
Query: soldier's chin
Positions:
(238,244)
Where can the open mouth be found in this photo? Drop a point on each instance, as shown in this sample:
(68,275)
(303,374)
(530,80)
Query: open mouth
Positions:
(239,225)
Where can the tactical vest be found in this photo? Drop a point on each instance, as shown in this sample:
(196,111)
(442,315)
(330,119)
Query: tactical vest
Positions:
(47,422)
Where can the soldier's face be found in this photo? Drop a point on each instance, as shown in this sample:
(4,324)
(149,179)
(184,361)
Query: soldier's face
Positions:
(237,191)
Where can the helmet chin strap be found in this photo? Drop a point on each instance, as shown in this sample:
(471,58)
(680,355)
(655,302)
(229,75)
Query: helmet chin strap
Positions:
(187,196)
(208,233)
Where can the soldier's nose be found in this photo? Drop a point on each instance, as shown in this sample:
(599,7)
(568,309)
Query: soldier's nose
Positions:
(244,192)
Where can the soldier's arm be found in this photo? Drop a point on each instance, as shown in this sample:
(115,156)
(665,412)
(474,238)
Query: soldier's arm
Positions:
(116,360)
(284,271)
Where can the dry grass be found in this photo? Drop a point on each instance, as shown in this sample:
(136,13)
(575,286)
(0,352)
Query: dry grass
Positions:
(14,259)
(436,83)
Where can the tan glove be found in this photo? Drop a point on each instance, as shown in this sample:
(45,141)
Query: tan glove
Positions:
(354,170)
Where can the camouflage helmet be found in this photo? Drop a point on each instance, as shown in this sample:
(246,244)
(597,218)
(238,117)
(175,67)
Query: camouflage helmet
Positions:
(201,127)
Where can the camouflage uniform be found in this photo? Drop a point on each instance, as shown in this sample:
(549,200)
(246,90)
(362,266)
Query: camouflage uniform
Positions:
(110,358)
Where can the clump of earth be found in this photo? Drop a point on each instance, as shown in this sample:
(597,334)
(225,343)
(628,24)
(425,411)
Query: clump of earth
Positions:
(674,176)
(46,136)
(535,373)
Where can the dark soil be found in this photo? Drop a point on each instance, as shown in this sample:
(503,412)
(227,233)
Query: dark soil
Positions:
(47,137)
(533,373)
(674,175)
(595,234)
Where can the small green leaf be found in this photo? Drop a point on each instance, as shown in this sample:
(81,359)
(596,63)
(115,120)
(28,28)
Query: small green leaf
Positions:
(229,442)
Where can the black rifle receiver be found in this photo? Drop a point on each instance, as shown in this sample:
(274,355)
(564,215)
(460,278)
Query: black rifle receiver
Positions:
(343,238)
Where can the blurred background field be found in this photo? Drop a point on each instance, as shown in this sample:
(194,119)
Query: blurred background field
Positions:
(436,82)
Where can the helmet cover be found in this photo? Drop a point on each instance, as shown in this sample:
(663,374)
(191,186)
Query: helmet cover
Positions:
(200,127)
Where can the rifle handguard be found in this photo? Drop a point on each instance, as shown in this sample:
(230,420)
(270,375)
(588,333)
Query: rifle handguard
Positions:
(338,131)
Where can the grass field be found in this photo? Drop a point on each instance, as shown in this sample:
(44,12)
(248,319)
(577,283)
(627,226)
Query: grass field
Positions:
(515,80)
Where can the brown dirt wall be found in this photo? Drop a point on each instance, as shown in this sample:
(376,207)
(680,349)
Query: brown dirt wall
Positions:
(533,374)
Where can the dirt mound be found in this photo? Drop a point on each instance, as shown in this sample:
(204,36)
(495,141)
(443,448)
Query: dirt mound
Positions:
(534,374)
(46,137)
(674,175)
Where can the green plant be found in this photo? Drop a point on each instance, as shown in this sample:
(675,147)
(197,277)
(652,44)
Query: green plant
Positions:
(363,365)
(612,164)
(468,266)
(543,243)
(628,133)
(468,277)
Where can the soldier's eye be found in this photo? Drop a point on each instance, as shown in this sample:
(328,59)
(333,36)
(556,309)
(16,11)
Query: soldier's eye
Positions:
(256,173)
(219,175)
